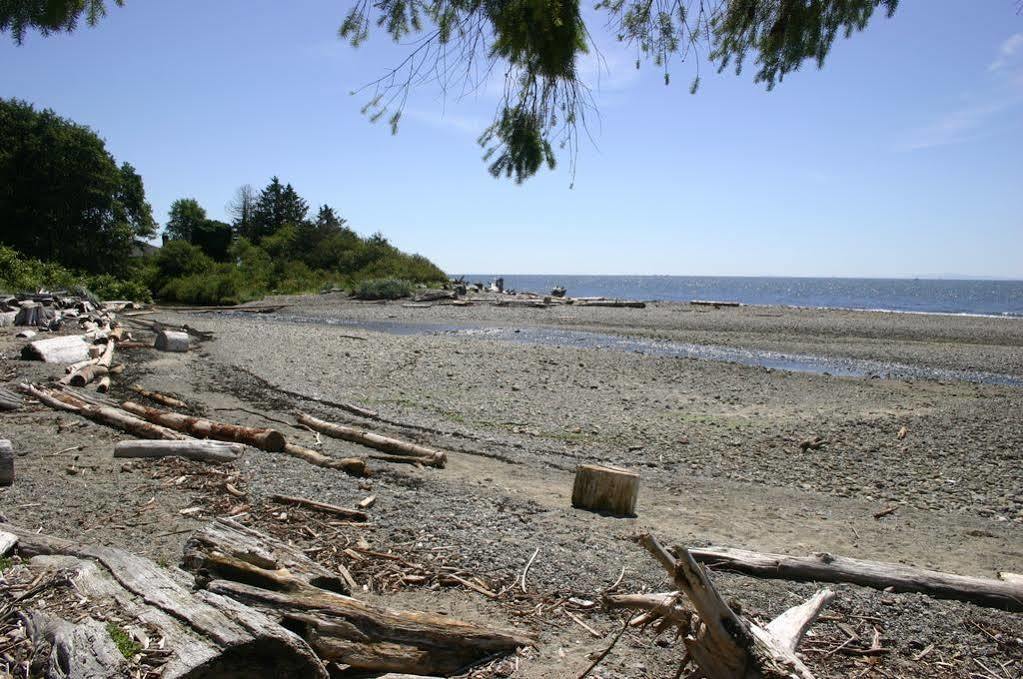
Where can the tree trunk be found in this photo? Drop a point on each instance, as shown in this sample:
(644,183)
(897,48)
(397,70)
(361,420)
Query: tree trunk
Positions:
(171,340)
(435,458)
(64,349)
(605,488)
(265,439)
(200,450)
(879,575)
(205,634)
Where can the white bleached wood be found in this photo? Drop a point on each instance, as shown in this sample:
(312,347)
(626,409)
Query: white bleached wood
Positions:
(172,340)
(194,449)
(64,349)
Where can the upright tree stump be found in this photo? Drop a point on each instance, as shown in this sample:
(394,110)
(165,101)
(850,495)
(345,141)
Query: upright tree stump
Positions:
(605,488)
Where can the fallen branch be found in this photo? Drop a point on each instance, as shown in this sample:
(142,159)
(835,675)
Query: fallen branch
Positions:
(355,466)
(386,444)
(343,512)
(162,399)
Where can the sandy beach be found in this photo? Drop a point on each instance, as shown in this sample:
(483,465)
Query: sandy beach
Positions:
(717,445)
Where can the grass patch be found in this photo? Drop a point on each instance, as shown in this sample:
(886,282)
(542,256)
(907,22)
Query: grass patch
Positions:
(125,644)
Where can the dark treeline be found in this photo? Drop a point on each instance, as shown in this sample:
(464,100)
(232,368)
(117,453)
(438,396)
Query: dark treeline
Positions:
(69,214)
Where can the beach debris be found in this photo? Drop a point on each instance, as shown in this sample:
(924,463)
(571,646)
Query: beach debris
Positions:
(354,466)
(902,433)
(812,443)
(367,502)
(605,488)
(717,304)
(63,349)
(613,303)
(6,463)
(886,511)
(419,453)
(195,449)
(171,340)
(162,399)
(9,401)
(559,291)
(343,512)
(265,439)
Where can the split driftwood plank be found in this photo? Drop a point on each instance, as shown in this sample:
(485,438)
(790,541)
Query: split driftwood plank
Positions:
(877,574)
(435,458)
(344,512)
(264,439)
(225,549)
(194,449)
(355,466)
(205,634)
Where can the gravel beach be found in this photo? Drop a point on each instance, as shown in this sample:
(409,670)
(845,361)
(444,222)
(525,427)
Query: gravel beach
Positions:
(717,445)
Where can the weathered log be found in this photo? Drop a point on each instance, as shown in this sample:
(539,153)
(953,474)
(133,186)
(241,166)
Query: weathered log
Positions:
(82,377)
(204,634)
(103,385)
(436,458)
(195,449)
(6,463)
(227,550)
(373,638)
(343,512)
(9,400)
(714,303)
(171,340)
(725,645)
(7,318)
(134,344)
(264,439)
(7,542)
(614,303)
(877,574)
(400,459)
(162,399)
(605,488)
(355,466)
(107,356)
(112,417)
(35,315)
(64,349)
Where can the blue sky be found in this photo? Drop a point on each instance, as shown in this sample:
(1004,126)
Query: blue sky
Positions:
(902,157)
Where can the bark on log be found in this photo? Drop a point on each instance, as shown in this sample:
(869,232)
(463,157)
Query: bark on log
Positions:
(171,340)
(6,463)
(723,644)
(227,550)
(65,349)
(112,417)
(436,458)
(195,449)
(265,439)
(605,488)
(162,399)
(373,638)
(207,635)
(355,466)
(87,374)
(343,512)
(877,574)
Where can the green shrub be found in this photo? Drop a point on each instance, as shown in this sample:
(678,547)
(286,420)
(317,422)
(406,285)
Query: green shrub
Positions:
(383,288)
(22,274)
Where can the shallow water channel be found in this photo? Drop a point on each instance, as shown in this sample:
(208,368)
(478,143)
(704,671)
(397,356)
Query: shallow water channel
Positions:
(585,339)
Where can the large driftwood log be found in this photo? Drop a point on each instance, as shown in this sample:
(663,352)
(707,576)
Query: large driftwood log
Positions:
(194,449)
(205,634)
(82,377)
(877,574)
(430,456)
(112,417)
(725,645)
(614,303)
(171,340)
(6,463)
(227,550)
(605,488)
(65,349)
(355,466)
(264,439)
(370,637)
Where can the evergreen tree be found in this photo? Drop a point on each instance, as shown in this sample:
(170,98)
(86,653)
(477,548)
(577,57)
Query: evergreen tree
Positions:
(327,220)
(277,206)
(242,209)
(186,215)
(293,208)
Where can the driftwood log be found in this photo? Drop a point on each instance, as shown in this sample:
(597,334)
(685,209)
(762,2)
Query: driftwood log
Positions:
(605,488)
(87,374)
(877,574)
(194,449)
(205,634)
(9,400)
(103,384)
(614,303)
(171,340)
(393,446)
(112,417)
(264,439)
(343,512)
(721,643)
(262,572)
(64,349)
(162,399)
(355,466)
(7,542)
(6,463)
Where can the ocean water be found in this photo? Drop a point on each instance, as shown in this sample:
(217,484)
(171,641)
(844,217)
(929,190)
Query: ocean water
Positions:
(991,298)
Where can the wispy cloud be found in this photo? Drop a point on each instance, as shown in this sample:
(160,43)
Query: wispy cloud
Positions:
(1006,53)
(466,125)
(1001,92)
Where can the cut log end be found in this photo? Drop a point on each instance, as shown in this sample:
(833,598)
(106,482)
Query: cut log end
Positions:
(604,488)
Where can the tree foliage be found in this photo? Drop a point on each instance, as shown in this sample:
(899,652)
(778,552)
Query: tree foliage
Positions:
(185,218)
(62,196)
(537,44)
